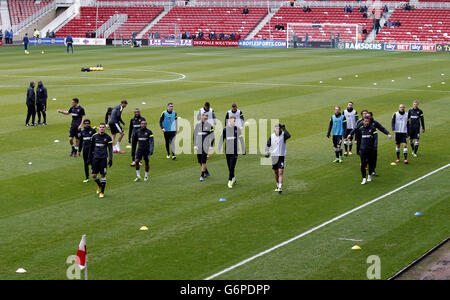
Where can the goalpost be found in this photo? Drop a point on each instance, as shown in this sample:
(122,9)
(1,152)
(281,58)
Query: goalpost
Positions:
(303,34)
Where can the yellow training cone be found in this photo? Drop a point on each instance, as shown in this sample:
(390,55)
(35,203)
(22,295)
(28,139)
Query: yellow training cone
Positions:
(393,164)
(143,228)
(356,247)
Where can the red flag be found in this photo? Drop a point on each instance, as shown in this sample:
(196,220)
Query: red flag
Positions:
(81,253)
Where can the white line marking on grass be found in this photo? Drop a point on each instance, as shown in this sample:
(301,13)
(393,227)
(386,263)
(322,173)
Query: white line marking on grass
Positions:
(313,85)
(324,224)
(353,240)
(123,81)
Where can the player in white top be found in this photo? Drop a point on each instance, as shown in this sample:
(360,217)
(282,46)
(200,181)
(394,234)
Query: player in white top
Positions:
(400,128)
(237,114)
(207,109)
(276,148)
(351,116)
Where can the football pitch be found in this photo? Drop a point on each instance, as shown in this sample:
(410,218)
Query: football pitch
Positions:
(45,208)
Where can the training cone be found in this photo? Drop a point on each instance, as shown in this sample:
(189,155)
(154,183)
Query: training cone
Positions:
(222,200)
(356,247)
(418,214)
(128,146)
(21,270)
(56,141)
(393,164)
(143,228)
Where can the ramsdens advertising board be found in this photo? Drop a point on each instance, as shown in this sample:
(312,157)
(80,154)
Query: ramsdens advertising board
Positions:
(359,46)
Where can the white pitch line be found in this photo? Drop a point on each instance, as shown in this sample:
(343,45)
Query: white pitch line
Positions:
(324,224)
(313,85)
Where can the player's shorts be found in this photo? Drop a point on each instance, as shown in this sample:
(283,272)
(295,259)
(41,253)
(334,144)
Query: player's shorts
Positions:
(142,154)
(201,158)
(73,131)
(400,137)
(414,133)
(347,132)
(99,165)
(337,140)
(278,162)
(115,128)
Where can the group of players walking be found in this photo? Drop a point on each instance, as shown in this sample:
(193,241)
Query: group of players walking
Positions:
(404,124)
(98,147)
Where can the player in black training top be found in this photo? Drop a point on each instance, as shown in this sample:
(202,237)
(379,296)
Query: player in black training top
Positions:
(78,116)
(366,134)
(101,155)
(375,125)
(415,120)
(203,136)
(135,123)
(85,136)
(232,135)
(143,138)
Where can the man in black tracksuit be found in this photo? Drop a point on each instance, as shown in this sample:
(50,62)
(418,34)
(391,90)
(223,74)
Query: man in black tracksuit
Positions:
(41,102)
(415,120)
(85,136)
(366,134)
(143,138)
(135,123)
(31,105)
(203,136)
(232,135)
(100,156)
(375,125)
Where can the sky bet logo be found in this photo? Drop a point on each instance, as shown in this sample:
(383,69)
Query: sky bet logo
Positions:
(416,47)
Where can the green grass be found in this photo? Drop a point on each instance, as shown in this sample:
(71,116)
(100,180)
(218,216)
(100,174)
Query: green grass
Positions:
(45,208)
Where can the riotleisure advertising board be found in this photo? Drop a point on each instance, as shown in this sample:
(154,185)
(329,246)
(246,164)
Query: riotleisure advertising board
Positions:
(169,43)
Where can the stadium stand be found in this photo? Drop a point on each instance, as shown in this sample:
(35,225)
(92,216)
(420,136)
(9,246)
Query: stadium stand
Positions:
(210,19)
(318,14)
(19,10)
(420,25)
(138,17)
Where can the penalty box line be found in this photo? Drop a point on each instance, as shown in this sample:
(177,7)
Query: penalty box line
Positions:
(324,224)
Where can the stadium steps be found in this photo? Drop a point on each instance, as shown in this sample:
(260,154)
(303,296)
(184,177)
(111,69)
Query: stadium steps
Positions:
(111,25)
(154,22)
(4,15)
(373,34)
(261,24)
(32,20)
(61,20)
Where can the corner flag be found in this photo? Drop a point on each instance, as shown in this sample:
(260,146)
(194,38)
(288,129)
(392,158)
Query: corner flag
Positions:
(81,253)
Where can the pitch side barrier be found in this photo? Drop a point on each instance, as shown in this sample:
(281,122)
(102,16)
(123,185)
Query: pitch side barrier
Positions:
(412,47)
(61,41)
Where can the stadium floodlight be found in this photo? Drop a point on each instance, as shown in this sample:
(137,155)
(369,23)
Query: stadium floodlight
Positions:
(302,34)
